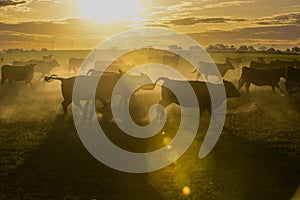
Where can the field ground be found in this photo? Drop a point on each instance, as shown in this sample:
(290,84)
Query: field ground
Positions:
(42,157)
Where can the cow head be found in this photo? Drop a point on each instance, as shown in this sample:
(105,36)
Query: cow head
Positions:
(230,89)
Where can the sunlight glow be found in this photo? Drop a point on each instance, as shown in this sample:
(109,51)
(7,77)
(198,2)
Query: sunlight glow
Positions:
(186,190)
(111,10)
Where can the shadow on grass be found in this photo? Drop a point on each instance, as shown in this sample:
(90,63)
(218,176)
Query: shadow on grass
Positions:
(62,168)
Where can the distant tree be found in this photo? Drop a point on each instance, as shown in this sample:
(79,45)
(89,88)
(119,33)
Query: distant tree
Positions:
(263,48)
(232,48)
(218,47)
(288,50)
(194,48)
(243,48)
(175,47)
(44,49)
(271,49)
(211,48)
(296,49)
(251,48)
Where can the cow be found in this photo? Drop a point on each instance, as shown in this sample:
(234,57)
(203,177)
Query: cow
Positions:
(105,86)
(17,73)
(103,92)
(201,90)
(47,58)
(280,63)
(75,63)
(42,66)
(292,83)
(261,77)
(206,67)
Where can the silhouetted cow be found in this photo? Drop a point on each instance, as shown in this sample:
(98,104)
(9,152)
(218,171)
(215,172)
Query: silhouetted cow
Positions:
(206,68)
(103,93)
(17,73)
(280,63)
(292,80)
(105,87)
(260,77)
(201,90)
(42,66)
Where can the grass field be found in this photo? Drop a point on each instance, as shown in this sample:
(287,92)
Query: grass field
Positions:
(42,157)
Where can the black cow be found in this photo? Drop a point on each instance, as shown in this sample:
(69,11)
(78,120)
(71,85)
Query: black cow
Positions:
(103,92)
(280,63)
(201,90)
(260,77)
(292,80)
(17,73)
(105,87)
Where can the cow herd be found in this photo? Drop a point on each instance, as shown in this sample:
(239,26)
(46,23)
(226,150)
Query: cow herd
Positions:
(258,73)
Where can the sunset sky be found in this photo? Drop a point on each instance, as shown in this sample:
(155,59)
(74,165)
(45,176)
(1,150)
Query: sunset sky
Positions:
(82,24)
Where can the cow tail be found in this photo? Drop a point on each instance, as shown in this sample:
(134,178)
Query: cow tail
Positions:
(154,84)
(52,77)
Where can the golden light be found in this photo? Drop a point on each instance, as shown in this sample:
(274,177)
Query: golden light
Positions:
(186,190)
(110,10)
(167,140)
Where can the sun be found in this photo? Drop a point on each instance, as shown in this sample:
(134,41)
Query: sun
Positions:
(110,10)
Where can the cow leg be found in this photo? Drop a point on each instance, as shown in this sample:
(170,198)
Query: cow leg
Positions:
(241,84)
(273,89)
(2,82)
(29,84)
(247,86)
(65,105)
(283,92)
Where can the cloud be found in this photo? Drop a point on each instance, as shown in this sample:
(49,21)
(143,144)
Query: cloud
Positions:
(70,26)
(289,18)
(4,3)
(226,4)
(273,34)
(193,20)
